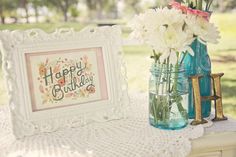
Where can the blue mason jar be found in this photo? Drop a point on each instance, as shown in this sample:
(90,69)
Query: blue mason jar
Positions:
(168,97)
(199,64)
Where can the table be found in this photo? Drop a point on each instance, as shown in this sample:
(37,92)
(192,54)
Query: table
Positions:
(218,141)
(215,145)
(129,137)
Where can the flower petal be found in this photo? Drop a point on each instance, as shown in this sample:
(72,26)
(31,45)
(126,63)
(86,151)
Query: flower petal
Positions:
(190,50)
(201,41)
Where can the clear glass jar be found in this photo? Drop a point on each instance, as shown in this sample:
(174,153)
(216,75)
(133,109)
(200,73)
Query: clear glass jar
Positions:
(168,97)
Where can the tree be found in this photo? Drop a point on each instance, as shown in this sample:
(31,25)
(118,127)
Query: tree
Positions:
(133,5)
(63,6)
(6,6)
(94,7)
(74,12)
(36,4)
(24,5)
(111,8)
(226,5)
(97,7)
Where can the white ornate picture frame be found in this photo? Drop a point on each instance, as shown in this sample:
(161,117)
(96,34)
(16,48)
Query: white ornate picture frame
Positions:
(63,79)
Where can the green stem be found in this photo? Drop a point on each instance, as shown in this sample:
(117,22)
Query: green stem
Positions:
(176,77)
(154,104)
(182,59)
(209,5)
(167,74)
(177,96)
(157,106)
(157,83)
(159,79)
(169,83)
(154,55)
(199,4)
(187,2)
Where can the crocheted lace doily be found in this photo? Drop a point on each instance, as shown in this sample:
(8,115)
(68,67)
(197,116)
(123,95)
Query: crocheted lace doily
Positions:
(131,137)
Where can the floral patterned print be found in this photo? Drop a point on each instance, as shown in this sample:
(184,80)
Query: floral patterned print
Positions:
(65,78)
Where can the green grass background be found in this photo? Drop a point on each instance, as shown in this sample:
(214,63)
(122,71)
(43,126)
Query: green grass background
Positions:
(223,56)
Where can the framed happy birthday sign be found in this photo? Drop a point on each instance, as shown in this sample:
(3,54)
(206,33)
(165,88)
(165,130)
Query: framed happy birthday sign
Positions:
(63,79)
(66,77)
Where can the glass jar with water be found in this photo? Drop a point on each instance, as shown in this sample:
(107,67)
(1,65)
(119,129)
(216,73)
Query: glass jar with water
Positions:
(168,96)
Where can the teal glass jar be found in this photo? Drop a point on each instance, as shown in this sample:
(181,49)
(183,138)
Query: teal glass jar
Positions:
(199,64)
(168,97)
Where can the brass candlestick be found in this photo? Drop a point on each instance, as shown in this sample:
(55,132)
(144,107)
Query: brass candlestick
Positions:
(216,97)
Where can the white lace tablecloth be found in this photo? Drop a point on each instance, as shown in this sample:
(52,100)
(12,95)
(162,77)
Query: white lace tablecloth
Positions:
(131,137)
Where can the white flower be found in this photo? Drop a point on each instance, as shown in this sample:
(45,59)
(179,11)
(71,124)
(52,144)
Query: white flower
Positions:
(170,16)
(170,39)
(151,20)
(165,31)
(203,29)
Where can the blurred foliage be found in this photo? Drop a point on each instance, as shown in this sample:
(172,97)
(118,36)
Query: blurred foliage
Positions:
(7,9)
(225,5)
(74,12)
(62,6)
(95,9)
(36,5)
(133,6)
(101,8)
(48,27)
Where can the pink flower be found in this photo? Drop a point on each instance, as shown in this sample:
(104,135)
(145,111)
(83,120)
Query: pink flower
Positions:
(91,89)
(190,11)
(200,13)
(61,82)
(203,14)
(178,6)
(42,70)
(183,9)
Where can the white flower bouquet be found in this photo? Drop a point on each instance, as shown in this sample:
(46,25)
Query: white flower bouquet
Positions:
(170,31)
